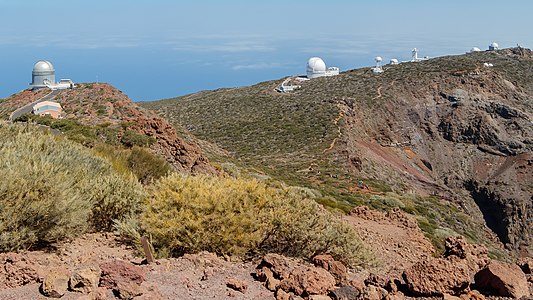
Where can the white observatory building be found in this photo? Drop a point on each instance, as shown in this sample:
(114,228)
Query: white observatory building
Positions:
(494,46)
(316,67)
(44,76)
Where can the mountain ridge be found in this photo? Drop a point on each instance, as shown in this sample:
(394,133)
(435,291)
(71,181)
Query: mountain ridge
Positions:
(448,127)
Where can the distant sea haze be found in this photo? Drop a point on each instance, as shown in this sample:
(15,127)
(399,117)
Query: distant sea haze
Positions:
(161,71)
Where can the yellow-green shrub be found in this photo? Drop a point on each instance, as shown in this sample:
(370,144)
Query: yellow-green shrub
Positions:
(242,217)
(52,188)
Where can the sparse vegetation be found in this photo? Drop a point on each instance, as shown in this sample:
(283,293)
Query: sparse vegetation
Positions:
(54,189)
(131,138)
(244,217)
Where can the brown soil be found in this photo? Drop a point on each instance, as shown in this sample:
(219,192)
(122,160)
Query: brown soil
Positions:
(194,276)
(394,237)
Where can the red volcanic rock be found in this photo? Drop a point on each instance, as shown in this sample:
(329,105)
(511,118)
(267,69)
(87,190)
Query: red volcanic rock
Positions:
(502,279)
(437,277)
(451,274)
(305,281)
(280,265)
(16,271)
(122,277)
(335,268)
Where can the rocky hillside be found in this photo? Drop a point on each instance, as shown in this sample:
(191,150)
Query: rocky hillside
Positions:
(101,105)
(447,139)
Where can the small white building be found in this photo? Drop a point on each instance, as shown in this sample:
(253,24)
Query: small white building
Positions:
(48,108)
(494,46)
(316,67)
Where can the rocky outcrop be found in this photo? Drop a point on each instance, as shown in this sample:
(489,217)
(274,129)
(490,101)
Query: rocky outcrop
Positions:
(102,104)
(450,274)
(502,279)
(182,155)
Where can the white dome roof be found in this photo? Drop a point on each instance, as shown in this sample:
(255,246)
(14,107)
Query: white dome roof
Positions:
(378,59)
(43,66)
(316,65)
(475,49)
(494,45)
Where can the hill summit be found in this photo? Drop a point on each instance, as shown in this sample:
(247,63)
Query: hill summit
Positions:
(101,105)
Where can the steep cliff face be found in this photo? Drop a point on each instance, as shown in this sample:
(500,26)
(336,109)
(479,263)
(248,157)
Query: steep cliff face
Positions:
(447,127)
(456,126)
(103,105)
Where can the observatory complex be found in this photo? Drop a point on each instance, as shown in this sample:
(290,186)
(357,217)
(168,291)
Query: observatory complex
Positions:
(316,67)
(43,76)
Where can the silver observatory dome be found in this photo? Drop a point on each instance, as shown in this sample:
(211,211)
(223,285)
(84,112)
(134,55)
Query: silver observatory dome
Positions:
(43,74)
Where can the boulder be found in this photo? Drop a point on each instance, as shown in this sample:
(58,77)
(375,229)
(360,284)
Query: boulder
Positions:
(502,279)
(335,268)
(308,281)
(55,284)
(474,255)
(85,279)
(278,264)
(437,277)
(122,277)
(345,293)
(237,284)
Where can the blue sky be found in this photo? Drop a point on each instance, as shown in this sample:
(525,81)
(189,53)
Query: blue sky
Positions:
(159,49)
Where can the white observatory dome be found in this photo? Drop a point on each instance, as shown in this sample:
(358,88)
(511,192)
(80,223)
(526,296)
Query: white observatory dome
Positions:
(494,46)
(394,61)
(316,67)
(379,59)
(475,49)
(43,66)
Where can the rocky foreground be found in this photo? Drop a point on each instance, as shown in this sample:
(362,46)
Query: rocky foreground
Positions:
(98,266)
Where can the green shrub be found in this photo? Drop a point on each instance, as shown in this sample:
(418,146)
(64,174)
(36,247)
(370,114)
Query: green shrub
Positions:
(147,166)
(114,197)
(51,188)
(243,217)
(131,138)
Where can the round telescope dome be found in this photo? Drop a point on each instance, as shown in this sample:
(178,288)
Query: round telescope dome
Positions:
(494,45)
(379,59)
(43,66)
(316,64)
(475,49)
